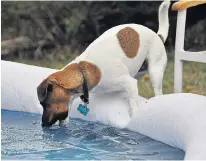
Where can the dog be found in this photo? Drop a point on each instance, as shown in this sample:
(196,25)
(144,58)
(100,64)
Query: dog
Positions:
(109,64)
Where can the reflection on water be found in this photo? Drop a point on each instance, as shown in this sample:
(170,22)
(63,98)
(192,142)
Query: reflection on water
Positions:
(23,138)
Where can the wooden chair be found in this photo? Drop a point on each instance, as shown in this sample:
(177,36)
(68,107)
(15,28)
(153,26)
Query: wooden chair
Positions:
(180,54)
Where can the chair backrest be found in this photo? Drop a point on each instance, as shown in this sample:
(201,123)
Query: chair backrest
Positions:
(180,54)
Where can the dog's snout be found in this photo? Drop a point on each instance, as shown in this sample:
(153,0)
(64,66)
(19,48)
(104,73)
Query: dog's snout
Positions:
(49,118)
(46,124)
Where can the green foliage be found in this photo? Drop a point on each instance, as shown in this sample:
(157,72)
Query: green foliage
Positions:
(194,80)
(76,24)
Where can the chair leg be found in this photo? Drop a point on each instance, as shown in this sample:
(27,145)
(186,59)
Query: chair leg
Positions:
(178,76)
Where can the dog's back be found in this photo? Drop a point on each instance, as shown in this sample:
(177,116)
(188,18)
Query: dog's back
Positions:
(106,51)
(124,48)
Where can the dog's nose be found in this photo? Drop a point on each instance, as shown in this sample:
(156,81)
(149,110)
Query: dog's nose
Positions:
(48,123)
(45,125)
(48,119)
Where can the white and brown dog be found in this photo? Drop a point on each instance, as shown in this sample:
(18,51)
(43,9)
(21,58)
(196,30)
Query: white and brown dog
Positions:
(108,64)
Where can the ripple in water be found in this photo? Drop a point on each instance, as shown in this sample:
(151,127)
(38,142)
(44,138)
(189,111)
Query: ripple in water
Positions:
(23,138)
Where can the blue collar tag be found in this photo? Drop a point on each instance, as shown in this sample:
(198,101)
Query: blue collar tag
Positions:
(83,109)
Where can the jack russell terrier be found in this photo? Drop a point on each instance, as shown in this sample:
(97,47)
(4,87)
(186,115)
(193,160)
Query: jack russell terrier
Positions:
(109,64)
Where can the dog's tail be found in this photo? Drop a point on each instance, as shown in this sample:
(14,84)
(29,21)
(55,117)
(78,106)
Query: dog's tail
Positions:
(163,20)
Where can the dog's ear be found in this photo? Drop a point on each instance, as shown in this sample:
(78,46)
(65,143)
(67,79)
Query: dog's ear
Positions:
(69,78)
(43,89)
(91,72)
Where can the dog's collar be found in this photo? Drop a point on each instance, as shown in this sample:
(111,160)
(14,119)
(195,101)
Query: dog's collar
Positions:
(85,96)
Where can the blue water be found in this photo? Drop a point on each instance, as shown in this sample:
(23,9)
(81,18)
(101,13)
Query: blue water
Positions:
(23,138)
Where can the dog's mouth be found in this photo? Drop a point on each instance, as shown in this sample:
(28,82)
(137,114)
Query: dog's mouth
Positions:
(49,118)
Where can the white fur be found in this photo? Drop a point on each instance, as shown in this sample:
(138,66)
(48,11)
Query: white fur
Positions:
(118,70)
(163,19)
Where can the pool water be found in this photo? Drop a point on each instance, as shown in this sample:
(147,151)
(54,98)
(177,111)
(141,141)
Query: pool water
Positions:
(23,138)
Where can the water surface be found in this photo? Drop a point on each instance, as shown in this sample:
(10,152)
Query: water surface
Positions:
(22,137)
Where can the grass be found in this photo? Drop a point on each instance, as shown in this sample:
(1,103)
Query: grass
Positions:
(194,76)
(194,80)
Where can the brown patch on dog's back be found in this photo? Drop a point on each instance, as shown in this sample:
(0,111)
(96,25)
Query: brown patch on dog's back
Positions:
(91,72)
(129,41)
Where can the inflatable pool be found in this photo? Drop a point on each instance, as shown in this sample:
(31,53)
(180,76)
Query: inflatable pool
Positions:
(178,120)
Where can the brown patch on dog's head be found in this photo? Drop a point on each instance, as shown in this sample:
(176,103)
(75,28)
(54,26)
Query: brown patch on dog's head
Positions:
(129,41)
(68,78)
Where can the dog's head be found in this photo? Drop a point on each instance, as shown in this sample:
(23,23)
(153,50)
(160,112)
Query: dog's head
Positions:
(56,92)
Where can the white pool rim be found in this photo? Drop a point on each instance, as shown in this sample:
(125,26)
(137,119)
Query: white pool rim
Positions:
(178,120)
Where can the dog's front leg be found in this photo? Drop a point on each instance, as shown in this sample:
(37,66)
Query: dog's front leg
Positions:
(133,106)
(130,89)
